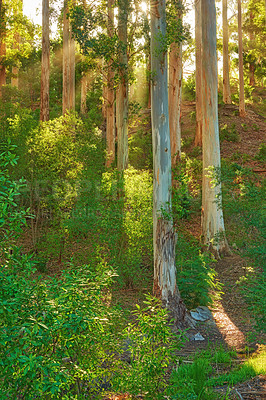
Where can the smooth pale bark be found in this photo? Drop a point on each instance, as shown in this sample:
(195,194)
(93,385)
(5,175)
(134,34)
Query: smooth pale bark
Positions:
(175,92)
(198,135)
(122,90)
(242,111)
(44,112)
(213,232)
(226,79)
(164,237)
(110,95)
(66,59)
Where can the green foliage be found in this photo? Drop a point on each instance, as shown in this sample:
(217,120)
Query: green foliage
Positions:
(189,88)
(245,217)
(189,381)
(195,379)
(196,278)
(152,346)
(55,336)
(12,217)
(229,134)
(261,154)
(117,212)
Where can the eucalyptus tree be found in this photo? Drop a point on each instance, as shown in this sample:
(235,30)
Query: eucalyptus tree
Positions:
(164,236)
(226,79)
(68,62)
(122,89)
(213,231)
(198,29)
(242,111)
(174,31)
(17,12)
(44,109)
(110,111)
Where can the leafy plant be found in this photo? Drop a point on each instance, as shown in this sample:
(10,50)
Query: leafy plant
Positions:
(152,346)
(229,134)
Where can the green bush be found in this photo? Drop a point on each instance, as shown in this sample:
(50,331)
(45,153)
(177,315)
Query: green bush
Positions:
(12,217)
(152,346)
(229,134)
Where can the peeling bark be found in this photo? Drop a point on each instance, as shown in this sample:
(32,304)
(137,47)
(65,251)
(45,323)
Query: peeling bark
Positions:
(164,237)
(213,231)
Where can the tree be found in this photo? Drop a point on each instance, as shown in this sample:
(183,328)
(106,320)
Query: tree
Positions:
(44,112)
(110,111)
(226,79)
(213,232)
(242,111)
(198,135)
(175,84)
(164,237)
(122,89)
(2,46)
(68,62)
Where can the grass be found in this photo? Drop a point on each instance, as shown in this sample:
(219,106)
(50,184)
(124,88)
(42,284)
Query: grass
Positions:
(197,378)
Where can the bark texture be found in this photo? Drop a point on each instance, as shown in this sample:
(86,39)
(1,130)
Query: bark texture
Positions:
(198,135)
(164,238)
(68,63)
(213,232)
(175,92)
(122,90)
(242,111)
(226,79)
(110,111)
(44,112)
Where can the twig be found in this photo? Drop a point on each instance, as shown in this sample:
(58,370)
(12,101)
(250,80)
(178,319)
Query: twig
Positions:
(239,395)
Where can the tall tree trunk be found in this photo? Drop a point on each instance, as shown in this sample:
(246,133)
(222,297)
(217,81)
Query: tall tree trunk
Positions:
(198,29)
(251,64)
(71,70)
(110,112)
(66,59)
(175,91)
(226,79)
(122,90)
(213,232)
(164,237)
(242,111)
(44,114)
(68,63)
(2,47)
